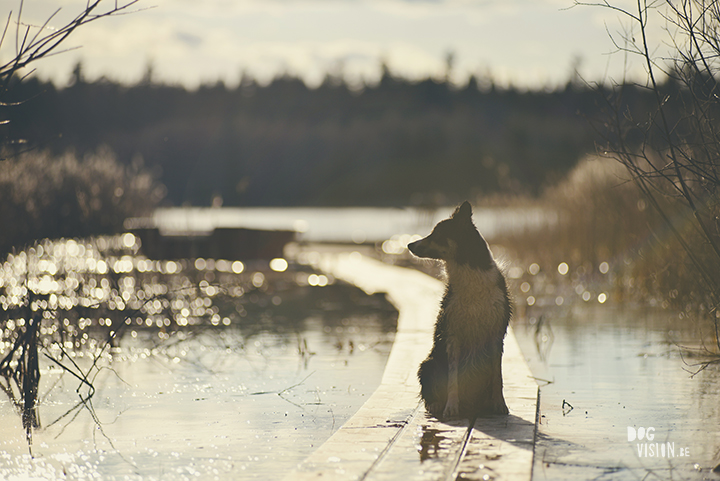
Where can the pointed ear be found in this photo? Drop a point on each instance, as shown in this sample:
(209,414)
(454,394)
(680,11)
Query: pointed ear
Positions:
(464,211)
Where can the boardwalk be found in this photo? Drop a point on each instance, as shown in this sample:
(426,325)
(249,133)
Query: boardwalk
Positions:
(391,436)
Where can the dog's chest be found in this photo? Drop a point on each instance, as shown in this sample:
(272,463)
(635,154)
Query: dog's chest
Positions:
(476,303)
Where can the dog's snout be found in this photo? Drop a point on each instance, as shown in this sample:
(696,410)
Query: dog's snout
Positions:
(414,247)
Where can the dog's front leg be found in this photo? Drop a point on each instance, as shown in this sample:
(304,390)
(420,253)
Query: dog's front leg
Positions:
(452,407)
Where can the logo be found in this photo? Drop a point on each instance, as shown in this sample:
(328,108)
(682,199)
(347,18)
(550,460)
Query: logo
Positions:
(646,448)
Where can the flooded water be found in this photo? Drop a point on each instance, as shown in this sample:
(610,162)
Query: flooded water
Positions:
(618,399)
(202,403)
(193,368)
(221,369)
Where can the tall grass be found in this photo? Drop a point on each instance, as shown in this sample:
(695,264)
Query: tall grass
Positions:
(602,218)
(605,219)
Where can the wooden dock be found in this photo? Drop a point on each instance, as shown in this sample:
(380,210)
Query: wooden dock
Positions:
(391,436)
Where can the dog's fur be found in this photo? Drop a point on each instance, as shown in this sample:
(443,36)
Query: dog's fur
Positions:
(462,376)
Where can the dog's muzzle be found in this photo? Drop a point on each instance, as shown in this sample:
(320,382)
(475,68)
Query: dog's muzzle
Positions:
(417,248)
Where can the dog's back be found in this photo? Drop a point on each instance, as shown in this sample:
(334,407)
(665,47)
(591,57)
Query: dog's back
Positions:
(462,376)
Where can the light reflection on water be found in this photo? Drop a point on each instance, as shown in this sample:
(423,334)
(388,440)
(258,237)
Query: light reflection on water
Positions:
(611,369)
(215,370)
(211,403)
(344,224)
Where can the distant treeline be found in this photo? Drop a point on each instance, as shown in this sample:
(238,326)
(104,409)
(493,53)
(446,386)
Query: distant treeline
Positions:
(398,142)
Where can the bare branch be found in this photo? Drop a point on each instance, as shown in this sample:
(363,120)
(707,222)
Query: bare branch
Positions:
(678,156)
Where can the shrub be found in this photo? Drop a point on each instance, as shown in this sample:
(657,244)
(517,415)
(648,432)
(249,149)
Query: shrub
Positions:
(42,196)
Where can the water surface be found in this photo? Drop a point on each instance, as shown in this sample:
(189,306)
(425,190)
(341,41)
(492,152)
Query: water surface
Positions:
(206,403)
(213,368)
(344,224)
(604,369)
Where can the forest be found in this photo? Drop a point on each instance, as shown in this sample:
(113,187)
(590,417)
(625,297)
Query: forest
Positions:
(395,142)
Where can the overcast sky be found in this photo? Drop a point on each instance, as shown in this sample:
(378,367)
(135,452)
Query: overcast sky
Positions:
(529,43)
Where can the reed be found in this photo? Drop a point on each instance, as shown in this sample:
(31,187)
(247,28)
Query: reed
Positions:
(610,235)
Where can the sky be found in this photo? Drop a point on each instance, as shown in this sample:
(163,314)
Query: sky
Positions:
(526,43)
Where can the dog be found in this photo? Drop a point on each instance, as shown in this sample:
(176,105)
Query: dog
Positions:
(462,376)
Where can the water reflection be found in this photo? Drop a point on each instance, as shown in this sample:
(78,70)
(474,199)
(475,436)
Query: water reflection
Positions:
(431,441)
(119,351)
(612,368)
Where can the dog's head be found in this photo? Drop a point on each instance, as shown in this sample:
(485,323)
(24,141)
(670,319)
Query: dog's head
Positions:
(455,240)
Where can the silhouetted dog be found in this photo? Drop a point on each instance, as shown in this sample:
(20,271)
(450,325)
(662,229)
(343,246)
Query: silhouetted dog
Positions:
(462,376)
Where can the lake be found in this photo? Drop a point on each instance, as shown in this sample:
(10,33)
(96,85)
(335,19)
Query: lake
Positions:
(345,225)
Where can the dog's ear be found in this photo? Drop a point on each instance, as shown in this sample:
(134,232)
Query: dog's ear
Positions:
(464,211)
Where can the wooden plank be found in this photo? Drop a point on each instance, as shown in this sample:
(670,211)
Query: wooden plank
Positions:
(367,437)
(391,435)
(497,447)
(501,447)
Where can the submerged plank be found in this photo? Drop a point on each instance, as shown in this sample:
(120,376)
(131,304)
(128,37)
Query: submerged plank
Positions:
(391,435)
